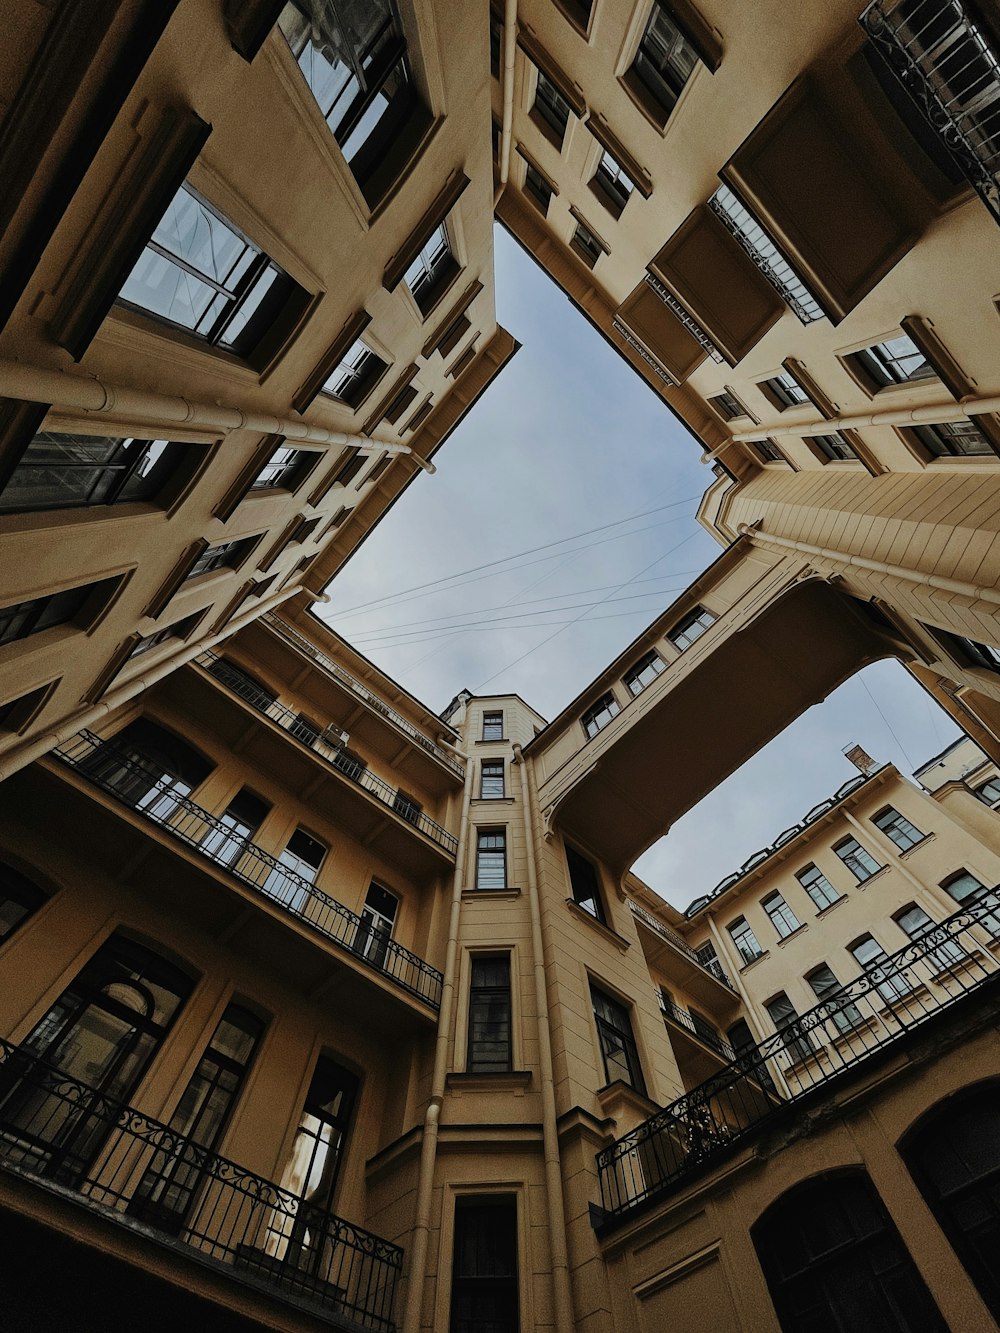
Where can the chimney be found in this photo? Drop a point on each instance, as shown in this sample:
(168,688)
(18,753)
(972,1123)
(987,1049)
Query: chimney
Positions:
(861,759)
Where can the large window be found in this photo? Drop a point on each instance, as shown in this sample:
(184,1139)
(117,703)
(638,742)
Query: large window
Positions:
(353,58)
(966,890)
(897,827)
(954,439)
(618,1048)
(168,1187)
(989,792)
(728,406)
(303,856)
(285,469)
(834,1261)
(782,918)
(896,361)
(744,939)
(19,898)
(785,1018)
(889,981)
(77,606)
(612,184)
(180,629)
(63,471)
(493,726)
(484,1288)
(227,555)
(834,447)
(148,767)
(917,925)
(600,714)
(842,1013)
(537,188)
(692,627)
(490,1046)
(226,841)
(202,274)
(491,780)
(663,64)
(377,920)
(860,863)
(784,391)
(103,1031)
(586,244)
(430,270)
(551,108)
(818,887)
(585,884)
(359,371)
(954,1156)
(491,859)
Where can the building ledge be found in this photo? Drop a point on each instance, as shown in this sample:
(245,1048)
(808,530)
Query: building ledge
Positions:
(619,941)
(490,895)
(508,1080)
(928,837)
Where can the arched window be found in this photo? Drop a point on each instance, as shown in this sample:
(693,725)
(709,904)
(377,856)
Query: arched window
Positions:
(954,1157)
(19,897)
(833,1260)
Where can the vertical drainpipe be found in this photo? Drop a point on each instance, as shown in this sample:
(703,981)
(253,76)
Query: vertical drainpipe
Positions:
(561,1292)
(432,1116)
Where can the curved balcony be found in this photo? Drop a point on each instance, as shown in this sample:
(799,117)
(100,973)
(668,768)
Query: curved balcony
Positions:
(146,1177)
(108,767)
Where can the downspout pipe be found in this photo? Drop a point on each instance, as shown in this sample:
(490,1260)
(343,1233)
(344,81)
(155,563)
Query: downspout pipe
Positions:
(101,399)
(432,1116)
(506,131)
(562,1295)
(34,747)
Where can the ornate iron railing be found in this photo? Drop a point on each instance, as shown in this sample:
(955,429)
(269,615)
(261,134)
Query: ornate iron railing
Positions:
(144,1175)
(158,800)
(738,220)
(944,60)
(333,753)
(890,999)
(708,964)
(452,761)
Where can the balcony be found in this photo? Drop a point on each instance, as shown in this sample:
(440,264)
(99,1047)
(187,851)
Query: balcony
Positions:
(156,801)
(299,641)
(944,60)
(721,1115)
(145,1177)
(695,972)
(691,1023)
(328,749)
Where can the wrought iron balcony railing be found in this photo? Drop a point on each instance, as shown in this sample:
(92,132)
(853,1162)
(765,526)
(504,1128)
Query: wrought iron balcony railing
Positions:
(702,1031)
(707,964)
(334,754)
(159,800)
(452,761)
(890,999)
(944,59)
(738,220)
(144,1175)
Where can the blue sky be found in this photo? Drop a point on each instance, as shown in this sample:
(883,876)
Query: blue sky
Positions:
(569,441)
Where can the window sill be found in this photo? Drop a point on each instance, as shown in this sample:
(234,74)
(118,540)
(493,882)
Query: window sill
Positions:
(492,800)
(928,837)
(508,1080)
(469,895)
(617,940)
(614,206)
(620,1096)
(496,740)
(830,906)
(754,961)
(800,929)
(863,883)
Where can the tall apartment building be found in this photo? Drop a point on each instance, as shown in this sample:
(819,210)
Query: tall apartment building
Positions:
(321,1010)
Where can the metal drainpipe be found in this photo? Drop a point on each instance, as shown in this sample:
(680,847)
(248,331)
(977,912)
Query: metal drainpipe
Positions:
(506,134)
(100,399)
(432,1116)
(562,1294)
(971,590)
(37,746)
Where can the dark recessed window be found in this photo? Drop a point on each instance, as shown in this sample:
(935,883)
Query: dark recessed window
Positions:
(954,439)
(663,64)
(728,406)
(493,726)
(179,630)
(969,652)
(359,371)
(551,108)
(828,991)
(585,883)
(537,188)
(859,862)
(19,898)
(767,451)
(618,1048)
(612,184)
(784,391)
(600,714)
(317,1152)
(586,245)
(378,468)
(692,627)
(431,269)
(62,471)
(783,1015)
(484,1287)
(644,672)
(491,859)
(73,606)
(989,792)
(489,1047)
(227,555)
(406,806)
(285,469)
(744,939)
(496,42)
(377,920)
(897,827)
(833,447)
(895,361)
(491,780)
(226,841)
(203,275)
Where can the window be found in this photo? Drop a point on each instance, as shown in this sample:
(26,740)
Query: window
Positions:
(430,270)
(914,922)
(890,983)
(834,447)
(354,61)
(663,64)
(586,244)
(484,1286)
(64,471)
(375,927)
(989,792)
(728,406)
(612,184)
(203,275)
(303,857)
(828,991)
(537,188)
(832,1259)
(896,361)
(551,108)
(954,439)
(19,898)
(489,1046)
(898,828)
(618,1048)
(796,1042)
(782,917)
(491,780)
(227,555)
(493,726)
(148,768)
(585,884)
(599,714)
(314,1164)
(358,373)
(168,1187)
(818,887)
(286,468)
(692,627)
(491,859)
(644,672)
(78,606)
(761,248)
(709,960)
(767,451)
(180,629)
(784,391)
(969,652)
(226,841)
(745,940)
(104,1031)
(742,1041)
(966,890)
(860,863)
(954,1158)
